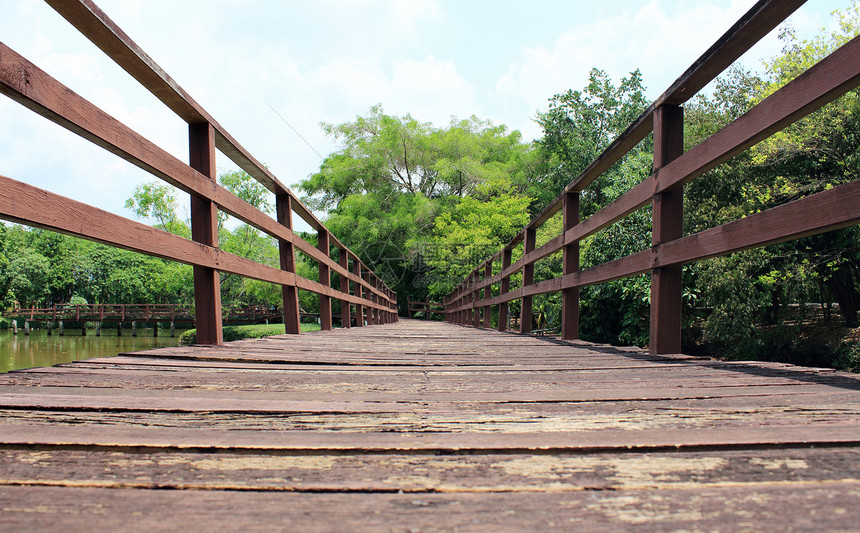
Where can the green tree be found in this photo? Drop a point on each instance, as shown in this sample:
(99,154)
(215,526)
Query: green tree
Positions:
(393,176)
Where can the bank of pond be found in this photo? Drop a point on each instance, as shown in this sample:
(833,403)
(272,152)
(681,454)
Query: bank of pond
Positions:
(38,348)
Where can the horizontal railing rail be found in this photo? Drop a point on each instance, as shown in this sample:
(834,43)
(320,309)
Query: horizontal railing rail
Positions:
(471,302)
(425,307)
(25,83)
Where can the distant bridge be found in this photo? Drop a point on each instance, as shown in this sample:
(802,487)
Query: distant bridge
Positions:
(145,313)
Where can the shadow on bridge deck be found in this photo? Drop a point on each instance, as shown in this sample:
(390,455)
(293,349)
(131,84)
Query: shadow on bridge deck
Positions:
(427,426)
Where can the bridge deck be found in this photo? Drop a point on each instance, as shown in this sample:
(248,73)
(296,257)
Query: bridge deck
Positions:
(426,426)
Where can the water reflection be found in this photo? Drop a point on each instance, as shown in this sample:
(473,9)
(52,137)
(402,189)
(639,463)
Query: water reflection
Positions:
(39,349)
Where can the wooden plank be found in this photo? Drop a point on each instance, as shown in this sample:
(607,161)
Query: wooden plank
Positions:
(426,411)
(794,506)
(417,473)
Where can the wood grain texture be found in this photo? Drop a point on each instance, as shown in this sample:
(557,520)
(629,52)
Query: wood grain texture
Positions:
(427,426)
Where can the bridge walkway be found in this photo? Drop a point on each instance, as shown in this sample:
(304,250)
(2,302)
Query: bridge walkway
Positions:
(426,426)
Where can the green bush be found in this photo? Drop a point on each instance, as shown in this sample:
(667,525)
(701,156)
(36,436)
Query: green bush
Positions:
(848,357)
(254,331)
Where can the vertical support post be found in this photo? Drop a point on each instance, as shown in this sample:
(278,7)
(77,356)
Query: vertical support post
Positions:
(133,328)
(343,259)
(98,329)
(570,264)
(370,296)
(359,292)
(476,296)
(504,287)
(488,293)
(204,229)
(528,279)
(325,279)
(376,300)
(26,327)
(667,225)
(286,250)
(14,327)
(61,331)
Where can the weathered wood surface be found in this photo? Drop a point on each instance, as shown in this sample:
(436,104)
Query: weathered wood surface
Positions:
(422,426)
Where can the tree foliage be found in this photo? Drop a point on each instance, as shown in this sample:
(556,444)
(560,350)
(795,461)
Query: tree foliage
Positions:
(401,193)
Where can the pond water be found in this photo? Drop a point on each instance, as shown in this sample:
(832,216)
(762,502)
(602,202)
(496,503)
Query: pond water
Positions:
(39,349)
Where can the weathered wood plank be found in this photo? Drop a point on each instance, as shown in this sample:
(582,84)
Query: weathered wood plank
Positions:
(432,409)
(796,506)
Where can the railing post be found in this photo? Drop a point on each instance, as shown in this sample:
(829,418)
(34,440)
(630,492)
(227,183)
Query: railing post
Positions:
(488,293)
(343,259)
(570,264)
(476,295)
(325,279)
(359,293)
(461,314)
(290,294)
(667,225)
(528,279)
(380,315)
(366,277)
(504,287)
(204,229)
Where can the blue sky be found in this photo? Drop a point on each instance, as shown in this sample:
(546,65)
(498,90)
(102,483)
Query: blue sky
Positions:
(330,60)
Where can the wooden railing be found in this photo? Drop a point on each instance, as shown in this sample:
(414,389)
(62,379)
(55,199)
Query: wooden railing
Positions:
(471,302)
(24,82)
(428,309)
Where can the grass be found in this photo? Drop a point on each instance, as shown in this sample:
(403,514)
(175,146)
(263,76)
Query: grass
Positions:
(254,331)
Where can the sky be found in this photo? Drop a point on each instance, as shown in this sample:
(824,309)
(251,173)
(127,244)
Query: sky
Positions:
(266,69)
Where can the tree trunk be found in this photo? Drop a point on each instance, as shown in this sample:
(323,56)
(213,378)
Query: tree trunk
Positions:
(841,283)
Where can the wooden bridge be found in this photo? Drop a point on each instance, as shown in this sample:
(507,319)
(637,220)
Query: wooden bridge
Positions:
(409,425)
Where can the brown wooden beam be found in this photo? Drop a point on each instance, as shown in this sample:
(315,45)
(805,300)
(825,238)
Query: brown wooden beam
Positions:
(24,204)
(504,287)
(204,229)
(286,250)
(359,292)
(325,280)
(667,225)
(528,279)
(488,293)
(822,83)
(343,257)
(570,264)
(96,26)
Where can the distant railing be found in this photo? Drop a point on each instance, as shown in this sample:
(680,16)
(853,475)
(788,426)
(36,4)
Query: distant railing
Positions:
(472,301)
(358,287)
(428,309)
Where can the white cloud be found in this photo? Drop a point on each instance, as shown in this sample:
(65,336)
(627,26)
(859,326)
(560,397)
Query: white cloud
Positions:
(407,14)
(659,42)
